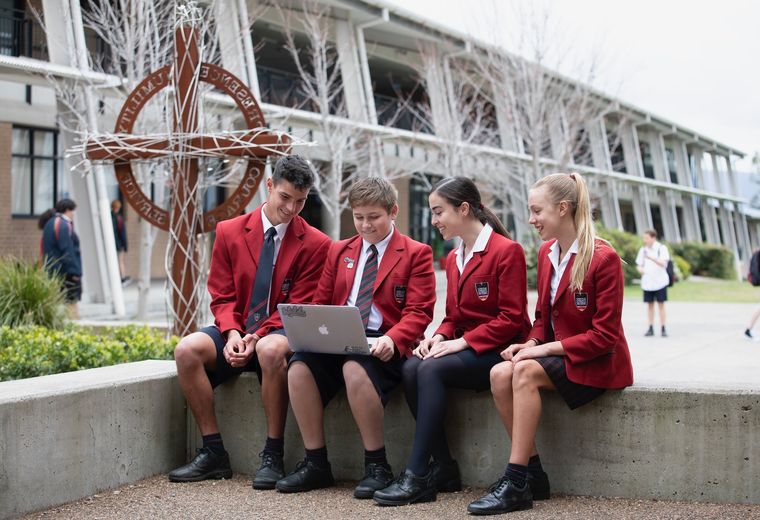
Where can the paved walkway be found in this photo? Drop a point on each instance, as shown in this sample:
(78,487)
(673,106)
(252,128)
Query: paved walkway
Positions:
(705,347)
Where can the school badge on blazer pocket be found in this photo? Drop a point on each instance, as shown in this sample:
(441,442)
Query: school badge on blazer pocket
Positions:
(399,293)
(481,289)
(581,301)
(285,288)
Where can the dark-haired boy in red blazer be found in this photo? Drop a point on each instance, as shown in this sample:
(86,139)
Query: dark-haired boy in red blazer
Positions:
(266,257)
(390,278)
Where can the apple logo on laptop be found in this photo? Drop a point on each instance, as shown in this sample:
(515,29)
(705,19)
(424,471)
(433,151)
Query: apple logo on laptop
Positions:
(323,330)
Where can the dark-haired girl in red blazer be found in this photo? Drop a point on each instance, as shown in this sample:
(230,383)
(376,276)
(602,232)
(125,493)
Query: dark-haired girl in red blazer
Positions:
(576,345)
(486,309)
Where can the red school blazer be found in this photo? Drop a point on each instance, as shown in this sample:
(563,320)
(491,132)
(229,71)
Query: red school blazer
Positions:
(488,303)
(404,291)
(235,257)
(587,322)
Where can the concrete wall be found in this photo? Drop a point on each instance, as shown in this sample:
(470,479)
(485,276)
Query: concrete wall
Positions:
(644,442)
(67,436)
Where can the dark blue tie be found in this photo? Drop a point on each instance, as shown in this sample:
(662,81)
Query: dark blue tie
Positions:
(364,298)
(258,310)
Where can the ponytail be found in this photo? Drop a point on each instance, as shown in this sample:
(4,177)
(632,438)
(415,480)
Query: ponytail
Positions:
(458,190)
(572,189)
(45,217)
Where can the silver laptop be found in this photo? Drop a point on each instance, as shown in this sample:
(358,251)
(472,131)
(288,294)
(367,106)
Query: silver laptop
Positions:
(325,329)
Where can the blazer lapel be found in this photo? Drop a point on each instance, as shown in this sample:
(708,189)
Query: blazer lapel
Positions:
(254,235)
(291,244)
(391,257)
(564,282)
(351,257)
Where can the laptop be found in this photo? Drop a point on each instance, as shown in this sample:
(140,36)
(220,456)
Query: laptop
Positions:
(325,329)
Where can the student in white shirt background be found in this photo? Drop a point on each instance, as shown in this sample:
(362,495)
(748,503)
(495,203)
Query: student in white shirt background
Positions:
(652,262)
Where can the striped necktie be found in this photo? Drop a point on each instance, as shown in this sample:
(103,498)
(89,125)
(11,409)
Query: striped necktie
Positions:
(364,298)
(258,310)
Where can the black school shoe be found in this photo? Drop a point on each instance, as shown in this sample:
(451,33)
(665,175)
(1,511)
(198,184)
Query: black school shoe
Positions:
(376,476)
(271,470)
(306,477)
(539,485)
(205,465)
(407,489)
(502,497)
(446,476)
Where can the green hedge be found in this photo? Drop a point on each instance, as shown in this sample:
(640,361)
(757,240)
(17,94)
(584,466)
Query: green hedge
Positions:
(627,246)
(32,351)
(707,259)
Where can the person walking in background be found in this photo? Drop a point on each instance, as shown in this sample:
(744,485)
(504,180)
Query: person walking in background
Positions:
(60,250)
(120,238)
(652,263)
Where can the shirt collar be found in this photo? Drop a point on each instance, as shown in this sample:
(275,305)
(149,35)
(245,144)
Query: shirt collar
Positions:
(381,246)
(280,229)
(480,242)
(554,252)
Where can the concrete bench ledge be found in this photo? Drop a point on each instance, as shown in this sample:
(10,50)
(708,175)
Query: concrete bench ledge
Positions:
(67,436)
(648,442)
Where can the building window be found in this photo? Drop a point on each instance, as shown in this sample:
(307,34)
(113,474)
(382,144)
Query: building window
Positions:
(672,169)
(646,160)
(37,180)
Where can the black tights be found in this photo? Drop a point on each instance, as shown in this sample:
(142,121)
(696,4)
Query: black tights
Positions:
(425,384)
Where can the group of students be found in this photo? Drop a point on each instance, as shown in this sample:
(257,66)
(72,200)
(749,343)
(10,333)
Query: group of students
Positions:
(575,345)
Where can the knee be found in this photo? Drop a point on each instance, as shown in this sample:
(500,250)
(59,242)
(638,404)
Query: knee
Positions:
(298,371)
(272,351)
(501,377)
(525,375)
(354,376)
(409,370)
(186,353)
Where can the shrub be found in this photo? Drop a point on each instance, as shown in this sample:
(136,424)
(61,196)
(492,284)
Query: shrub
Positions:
(31,351)
(682,267)
(531,259)
(627,246)
(29,295)
(707,259)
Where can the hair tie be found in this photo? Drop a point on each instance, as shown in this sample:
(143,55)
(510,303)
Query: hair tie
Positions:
(572,176)
(480,206)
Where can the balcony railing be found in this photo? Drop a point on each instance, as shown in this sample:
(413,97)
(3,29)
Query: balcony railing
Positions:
(21,35)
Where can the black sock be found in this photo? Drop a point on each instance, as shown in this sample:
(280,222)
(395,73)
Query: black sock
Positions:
(375,456)
(534,464)
(318,456)
(517,474)
(276,446)
(214,443)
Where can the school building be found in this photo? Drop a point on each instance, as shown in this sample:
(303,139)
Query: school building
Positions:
(653,173)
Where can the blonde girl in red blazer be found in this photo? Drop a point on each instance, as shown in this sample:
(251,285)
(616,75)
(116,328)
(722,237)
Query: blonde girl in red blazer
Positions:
(486,309)
(576,345)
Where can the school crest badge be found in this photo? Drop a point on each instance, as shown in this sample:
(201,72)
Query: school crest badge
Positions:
(481,289)
(581,301)
(399,293)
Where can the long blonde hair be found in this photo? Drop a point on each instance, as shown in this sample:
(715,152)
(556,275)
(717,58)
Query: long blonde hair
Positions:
(572,189)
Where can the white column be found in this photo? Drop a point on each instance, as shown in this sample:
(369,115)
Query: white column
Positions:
(350,70)
(91,224)
(662,173)
(709,219)
(642,211)
(688,206)
(600,155)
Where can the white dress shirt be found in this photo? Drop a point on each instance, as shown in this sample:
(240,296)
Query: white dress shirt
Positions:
(375,320)
(480,245)
(655,276)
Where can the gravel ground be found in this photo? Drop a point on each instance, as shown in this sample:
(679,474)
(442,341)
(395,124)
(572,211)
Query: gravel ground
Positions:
(156,497)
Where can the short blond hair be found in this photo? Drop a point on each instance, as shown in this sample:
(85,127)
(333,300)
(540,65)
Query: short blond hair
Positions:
(373,191)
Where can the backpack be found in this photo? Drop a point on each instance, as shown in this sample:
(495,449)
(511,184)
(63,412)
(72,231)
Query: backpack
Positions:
(753,276)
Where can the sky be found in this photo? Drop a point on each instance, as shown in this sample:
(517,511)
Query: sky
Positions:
(696,63)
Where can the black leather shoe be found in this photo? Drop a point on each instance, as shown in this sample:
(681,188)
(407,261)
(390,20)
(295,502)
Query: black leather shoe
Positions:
(446,476)
(376,476)
(271,470)
(305,477)
(539,485)
(407,489)
(502,497)
(205,465)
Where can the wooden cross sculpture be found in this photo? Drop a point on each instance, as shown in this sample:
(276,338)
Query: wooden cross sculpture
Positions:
(185,145)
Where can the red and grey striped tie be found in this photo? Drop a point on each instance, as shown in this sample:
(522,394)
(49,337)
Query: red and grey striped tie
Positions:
(364,298)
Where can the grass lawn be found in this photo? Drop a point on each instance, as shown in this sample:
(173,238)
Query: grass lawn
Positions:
(698,289)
